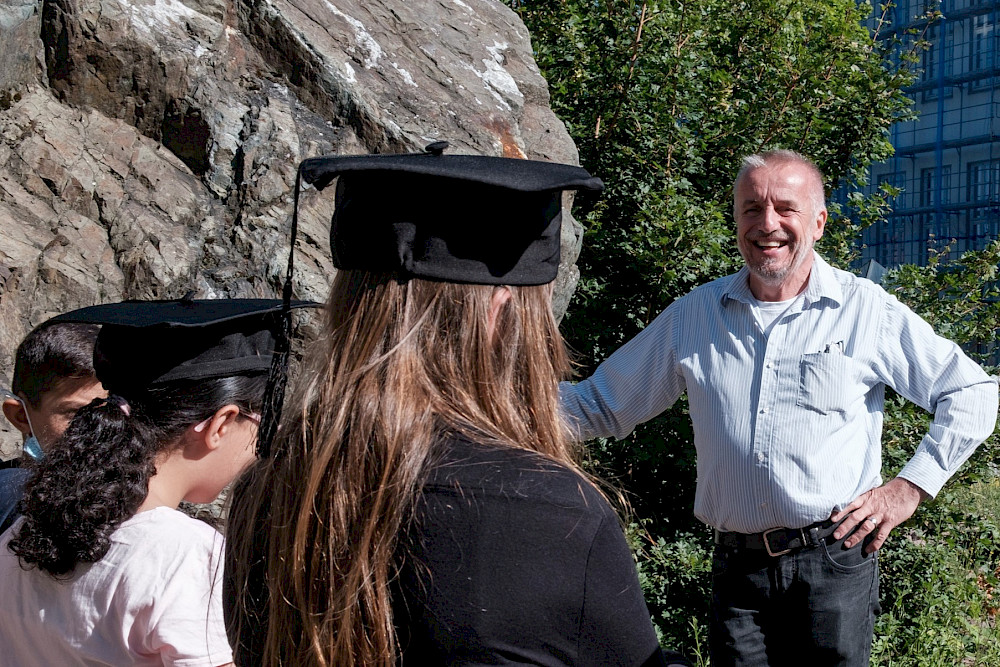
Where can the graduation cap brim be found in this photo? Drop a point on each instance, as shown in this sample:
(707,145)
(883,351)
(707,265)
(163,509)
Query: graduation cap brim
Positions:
(178,313)
(146,343)
(507,173)
(455,218)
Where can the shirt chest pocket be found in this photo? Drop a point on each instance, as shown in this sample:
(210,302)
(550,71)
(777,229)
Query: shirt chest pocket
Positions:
(827,382)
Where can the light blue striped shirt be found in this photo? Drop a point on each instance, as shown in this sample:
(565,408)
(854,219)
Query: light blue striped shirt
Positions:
(788,426)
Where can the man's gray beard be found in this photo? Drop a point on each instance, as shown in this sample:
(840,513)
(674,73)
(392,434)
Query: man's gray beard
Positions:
(774,277)
(770,277)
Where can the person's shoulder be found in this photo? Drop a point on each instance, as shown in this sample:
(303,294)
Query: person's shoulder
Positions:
(712,290)
(852,285)
(468,468)
(167,530)
(703,298)
(12,481)
(13,477)
(153,548)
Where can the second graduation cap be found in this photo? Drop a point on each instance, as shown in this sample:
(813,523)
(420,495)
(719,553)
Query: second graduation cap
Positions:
(456,218)
(145,343)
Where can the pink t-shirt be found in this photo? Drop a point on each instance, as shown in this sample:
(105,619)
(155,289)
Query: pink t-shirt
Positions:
(154,599)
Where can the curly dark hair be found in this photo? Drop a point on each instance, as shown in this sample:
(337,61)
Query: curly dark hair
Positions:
(97,475)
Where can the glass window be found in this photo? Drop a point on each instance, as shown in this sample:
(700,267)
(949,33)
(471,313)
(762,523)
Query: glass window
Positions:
(937,60)
(928,184)
(983,179)
(927,187)
(982,49)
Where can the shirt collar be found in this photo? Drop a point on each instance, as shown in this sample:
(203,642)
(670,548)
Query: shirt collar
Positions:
(822,284)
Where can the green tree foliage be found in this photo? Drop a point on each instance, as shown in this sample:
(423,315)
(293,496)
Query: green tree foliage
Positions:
(663,98)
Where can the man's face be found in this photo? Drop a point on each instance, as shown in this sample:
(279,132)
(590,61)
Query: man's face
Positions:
(776,226)
(56,408)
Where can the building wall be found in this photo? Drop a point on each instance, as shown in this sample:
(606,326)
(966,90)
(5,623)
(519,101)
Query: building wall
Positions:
(947,162)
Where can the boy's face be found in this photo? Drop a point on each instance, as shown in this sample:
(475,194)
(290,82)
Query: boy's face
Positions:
(55,409)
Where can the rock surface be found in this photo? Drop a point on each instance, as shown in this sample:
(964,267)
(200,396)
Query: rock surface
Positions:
(149,147)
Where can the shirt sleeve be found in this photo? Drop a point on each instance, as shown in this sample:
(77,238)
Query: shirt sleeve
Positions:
(934,373)
(636,383)
(616,627)
(186,622)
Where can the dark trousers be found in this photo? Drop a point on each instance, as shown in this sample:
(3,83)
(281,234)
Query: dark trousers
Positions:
(814,607)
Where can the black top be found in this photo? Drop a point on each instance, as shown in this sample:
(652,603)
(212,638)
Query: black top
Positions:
(12,479)
(514,560)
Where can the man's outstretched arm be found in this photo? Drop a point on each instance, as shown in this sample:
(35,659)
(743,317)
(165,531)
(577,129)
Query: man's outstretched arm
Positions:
(636,383)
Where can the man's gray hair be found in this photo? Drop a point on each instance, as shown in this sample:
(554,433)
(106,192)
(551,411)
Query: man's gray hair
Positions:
(779,156)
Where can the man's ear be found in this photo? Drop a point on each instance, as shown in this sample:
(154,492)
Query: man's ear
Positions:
(14,411)
(217,426)
(820,224)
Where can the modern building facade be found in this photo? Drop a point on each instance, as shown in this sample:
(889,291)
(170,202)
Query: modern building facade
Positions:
(947,162)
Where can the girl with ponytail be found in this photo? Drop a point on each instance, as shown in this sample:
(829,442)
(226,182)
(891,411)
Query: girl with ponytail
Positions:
(423,503)
(102,568)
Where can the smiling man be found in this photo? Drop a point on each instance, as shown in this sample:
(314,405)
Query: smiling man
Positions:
(780,213)
(785,365)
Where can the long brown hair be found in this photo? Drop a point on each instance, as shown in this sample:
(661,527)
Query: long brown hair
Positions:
(401,363)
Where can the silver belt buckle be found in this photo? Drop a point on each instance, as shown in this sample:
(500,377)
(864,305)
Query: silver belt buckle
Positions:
(767,543)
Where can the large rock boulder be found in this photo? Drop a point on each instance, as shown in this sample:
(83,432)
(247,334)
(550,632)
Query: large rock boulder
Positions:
(149,147)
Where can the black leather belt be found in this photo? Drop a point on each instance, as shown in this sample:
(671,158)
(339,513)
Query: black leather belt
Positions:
(778,541)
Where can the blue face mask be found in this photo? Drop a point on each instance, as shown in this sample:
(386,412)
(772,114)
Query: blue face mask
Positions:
(32,448)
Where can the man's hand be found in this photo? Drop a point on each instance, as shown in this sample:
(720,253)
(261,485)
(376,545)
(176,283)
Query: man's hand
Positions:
(881,509)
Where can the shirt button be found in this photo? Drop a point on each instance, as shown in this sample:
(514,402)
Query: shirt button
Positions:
(763,411)
(769,365)
(760,457)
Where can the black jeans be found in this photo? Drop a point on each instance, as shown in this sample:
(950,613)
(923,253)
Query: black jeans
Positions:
(814,607)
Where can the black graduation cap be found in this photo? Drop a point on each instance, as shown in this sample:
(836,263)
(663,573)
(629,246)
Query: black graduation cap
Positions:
(456,218)
(145,343)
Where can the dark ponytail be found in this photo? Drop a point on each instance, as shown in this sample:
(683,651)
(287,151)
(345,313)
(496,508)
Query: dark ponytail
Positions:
(97,475)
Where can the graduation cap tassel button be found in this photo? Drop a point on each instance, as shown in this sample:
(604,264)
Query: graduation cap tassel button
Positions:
(436,148)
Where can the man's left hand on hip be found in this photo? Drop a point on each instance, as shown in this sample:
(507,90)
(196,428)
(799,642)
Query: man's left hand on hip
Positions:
(878,511)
